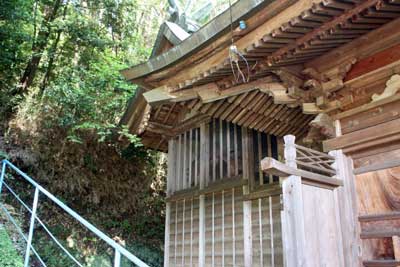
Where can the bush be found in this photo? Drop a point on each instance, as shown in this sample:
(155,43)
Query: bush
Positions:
(8,255)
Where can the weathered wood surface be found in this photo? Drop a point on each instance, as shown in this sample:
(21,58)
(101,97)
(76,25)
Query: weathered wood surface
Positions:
(374,62)
(369,114)
(360,48)
(378,193)
(366,138)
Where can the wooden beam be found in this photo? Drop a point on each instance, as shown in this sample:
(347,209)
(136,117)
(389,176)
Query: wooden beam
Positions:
(360,48)
(376,167)
(312,108)
(272,166)
(164,94)
(380,217)
(331,24)
(365,138)
(208,96)
(367,107)
(374,62)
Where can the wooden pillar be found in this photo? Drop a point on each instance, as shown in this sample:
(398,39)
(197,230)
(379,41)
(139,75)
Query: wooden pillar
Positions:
(170,189)
(167,230)
(292,215)
(204,165)
(247,174)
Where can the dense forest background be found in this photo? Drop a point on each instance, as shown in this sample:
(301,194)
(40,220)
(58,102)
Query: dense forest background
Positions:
(61,98)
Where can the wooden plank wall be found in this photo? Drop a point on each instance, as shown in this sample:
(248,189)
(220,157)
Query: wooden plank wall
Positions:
(224,228)
(267,232)
(183,233)
(184,161)
(218,223)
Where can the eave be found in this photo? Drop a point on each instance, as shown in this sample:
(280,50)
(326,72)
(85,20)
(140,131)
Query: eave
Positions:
(279,46)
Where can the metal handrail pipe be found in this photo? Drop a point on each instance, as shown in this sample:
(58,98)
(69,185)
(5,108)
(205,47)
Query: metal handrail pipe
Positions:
(44,226)
(83,221)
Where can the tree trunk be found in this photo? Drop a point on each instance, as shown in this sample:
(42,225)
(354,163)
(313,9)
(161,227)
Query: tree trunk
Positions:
(37,50)
(52,55)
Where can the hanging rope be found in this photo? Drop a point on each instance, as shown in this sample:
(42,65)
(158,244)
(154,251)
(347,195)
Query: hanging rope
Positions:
(235,57)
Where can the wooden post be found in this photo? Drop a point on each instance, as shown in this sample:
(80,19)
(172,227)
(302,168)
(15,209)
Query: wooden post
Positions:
(247,234)
(171,173)
(204,165)
(167,230)
(292,214)
(170,189)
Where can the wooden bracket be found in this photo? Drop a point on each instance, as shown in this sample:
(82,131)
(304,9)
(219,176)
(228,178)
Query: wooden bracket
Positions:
(392,86)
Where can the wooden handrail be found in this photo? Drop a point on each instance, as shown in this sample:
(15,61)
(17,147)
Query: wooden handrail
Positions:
(274,167)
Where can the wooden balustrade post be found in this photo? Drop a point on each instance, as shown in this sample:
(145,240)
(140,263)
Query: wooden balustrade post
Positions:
(346,210)
(293,232)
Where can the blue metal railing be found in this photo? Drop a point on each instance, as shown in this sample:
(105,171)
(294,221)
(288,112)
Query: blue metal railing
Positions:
(39,190)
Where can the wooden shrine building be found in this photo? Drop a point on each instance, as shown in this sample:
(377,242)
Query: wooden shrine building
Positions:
(283,134)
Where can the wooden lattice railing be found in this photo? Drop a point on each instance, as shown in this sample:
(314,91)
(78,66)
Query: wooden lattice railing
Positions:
(315,161)
(311,165)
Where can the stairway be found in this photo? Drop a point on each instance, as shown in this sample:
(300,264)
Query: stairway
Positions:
(384,226)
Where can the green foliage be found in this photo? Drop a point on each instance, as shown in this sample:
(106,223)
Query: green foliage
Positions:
(8,255)
(3,155)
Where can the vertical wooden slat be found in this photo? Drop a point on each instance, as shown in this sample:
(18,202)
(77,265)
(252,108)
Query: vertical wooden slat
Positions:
(212,230)
(259,145)
(248,156)
(190,178)
(236,154)
(176,233)
(171,176)
(228,150)
(233,229)
(179,165)
(196,162)
(271,222)
(260,224)
(223,227)
(214,165)
(167,232)
(184,152)
(221,150)
(269,154)
(183,231)
(191,233)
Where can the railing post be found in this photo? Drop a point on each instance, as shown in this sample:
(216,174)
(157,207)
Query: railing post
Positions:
(3,173)
(31,227)
(117,259)
(293,230)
